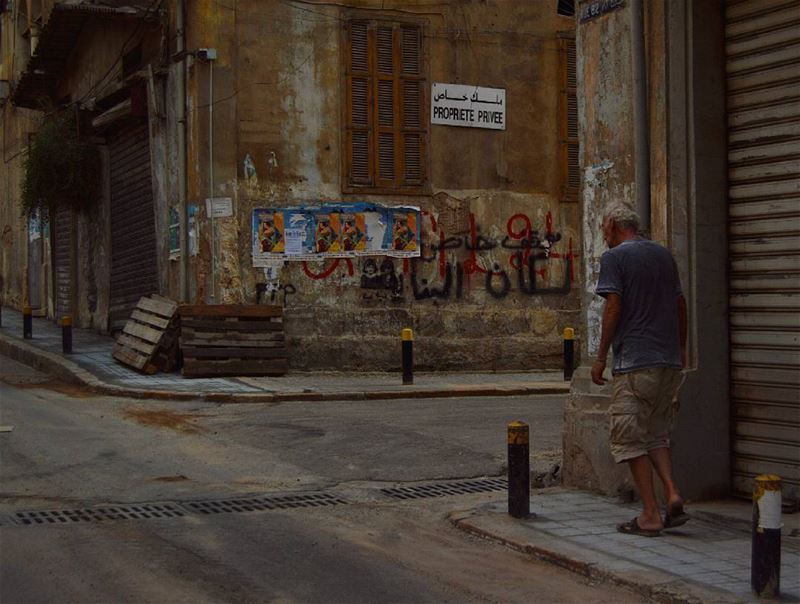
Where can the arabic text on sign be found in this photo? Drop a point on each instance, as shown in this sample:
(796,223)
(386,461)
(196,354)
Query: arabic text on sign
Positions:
(468,106)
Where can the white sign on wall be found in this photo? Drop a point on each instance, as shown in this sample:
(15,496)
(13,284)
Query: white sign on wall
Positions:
(468,106)
(219,207)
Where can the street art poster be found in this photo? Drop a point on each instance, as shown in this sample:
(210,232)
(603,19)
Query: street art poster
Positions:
(404,228)
(326,234)
(270,232)
(354,233)
(330,230)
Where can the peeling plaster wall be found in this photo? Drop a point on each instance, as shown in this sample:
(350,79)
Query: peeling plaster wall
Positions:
(605,114)
(16,125)
(688,146)
(606,124)
(282,82)
(98,48)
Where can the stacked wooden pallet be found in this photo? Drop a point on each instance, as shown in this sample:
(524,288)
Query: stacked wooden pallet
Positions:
(149,340)
(232,339)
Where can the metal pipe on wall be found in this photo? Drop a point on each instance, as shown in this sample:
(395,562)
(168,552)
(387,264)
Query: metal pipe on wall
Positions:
(641,126)
(211,176)
(180,22)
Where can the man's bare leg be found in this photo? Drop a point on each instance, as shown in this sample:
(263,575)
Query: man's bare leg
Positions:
(642,472)
(663,465)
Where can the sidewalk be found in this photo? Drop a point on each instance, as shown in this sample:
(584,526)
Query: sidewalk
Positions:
(706,560)
(91,365)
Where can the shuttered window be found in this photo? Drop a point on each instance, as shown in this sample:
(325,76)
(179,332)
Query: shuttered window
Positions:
(385,130)
(568,120)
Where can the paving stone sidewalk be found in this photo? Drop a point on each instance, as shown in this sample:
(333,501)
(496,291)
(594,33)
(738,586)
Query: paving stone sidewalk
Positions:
(706,560)
(92,365)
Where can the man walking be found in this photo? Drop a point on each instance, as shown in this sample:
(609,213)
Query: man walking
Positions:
(645,320)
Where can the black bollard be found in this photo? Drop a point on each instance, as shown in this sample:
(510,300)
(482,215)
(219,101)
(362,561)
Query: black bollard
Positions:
(765,568)
(407,337)
(27,323)
(1,313)
(519,472)
(66,334)
(569,353)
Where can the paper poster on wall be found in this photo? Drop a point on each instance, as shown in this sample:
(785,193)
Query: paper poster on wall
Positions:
(404,228)
(295,238)
(270,232)
(174,234)
(354,233)
(193,230)
(334,230)
(326,234)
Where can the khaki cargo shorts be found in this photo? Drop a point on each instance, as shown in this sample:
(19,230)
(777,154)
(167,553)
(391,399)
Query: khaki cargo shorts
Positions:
(643,411)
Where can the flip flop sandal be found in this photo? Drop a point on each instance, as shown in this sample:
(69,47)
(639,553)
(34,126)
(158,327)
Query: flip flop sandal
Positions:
(675,516)
(633,528)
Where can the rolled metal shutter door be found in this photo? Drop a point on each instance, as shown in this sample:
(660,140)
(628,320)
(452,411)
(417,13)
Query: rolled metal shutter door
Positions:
(63,261)
(134,270)
(763,81)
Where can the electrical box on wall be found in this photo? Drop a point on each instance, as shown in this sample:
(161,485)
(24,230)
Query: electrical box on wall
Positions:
(207,54)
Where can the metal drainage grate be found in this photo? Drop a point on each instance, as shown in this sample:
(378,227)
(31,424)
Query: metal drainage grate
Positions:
(464,487)
(258,504)
(122,512)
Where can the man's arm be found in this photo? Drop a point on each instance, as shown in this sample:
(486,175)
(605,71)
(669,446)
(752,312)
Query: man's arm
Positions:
(682,326)
(611,315)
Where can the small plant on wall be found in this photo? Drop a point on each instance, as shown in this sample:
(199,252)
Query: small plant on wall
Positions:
(59,170)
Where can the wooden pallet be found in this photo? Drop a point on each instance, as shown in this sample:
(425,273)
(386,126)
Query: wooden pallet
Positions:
(149,340)
(232,339)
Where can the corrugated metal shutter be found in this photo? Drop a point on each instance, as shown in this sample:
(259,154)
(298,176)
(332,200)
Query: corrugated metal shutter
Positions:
(134,270)
(35,255)
(63,226)
(763,78)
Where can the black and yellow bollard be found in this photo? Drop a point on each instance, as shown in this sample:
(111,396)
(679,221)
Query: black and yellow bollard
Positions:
(519,472)
(569,353)
(765,569)
(407,336)
(27,323)
(66,334)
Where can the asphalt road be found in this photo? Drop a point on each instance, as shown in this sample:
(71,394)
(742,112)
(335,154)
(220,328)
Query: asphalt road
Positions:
(71,451)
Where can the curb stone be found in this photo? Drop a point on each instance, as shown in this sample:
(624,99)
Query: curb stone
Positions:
(69,371)
(657,585)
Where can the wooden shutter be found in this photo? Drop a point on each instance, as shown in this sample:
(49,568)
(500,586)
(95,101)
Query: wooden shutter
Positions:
(359,152)
(385,135)
(568,118)
(386,86)
(412,90)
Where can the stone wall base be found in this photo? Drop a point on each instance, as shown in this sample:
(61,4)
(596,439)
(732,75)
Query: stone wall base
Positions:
(588,464)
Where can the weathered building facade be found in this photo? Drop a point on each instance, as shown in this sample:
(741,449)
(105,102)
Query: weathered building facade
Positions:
(89,60)
(248,106)
(690,111)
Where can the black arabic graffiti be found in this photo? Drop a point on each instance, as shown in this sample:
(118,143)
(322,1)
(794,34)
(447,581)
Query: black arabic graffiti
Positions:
(273,288)
(426,291)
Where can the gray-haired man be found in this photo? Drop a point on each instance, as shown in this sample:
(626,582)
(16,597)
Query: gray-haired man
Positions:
(645,320)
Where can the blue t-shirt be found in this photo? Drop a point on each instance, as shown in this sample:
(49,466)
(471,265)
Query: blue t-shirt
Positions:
(645,276)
